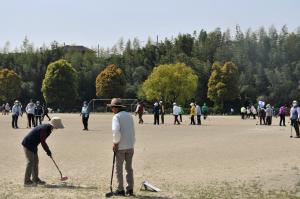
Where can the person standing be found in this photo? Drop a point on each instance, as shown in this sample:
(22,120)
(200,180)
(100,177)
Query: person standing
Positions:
(181,112)
(140,111)
(45,112)
(7,109)
(16,111)
(198,111)
(38,112)
(295,116)
(192,113)
(85,112)
(156,113)
(269,114)
(253,112)
(30,144)
(204,111)
(262,116)
(162,112)
(123,145)
(30,113)
(243,112)
(282,113)
(176,112)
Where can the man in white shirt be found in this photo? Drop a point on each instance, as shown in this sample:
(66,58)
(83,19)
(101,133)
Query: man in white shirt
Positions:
(176,112)
(123,145)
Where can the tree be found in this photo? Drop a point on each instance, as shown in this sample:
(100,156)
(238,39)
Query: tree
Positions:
(170,82)
(10,85)
(59,86)
(223,84)
(110,82)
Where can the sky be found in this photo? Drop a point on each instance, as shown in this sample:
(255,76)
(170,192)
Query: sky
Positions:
(104,22)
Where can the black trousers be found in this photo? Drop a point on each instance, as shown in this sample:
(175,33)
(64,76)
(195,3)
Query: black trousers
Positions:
(156,119)
(193,119)
(180,116)
(30,118)
(141,121)
(269,120)
(46,114)
(162,117)
(15,121)
(176,119)
(199,119)
(38,119)
(85,121)
(282,120)
(262,119)
(295,124)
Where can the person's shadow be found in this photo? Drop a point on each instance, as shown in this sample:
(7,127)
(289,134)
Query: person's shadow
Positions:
(151,197)
(66,186)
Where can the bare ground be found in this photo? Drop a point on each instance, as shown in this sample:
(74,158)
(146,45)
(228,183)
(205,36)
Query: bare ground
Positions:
(223,158)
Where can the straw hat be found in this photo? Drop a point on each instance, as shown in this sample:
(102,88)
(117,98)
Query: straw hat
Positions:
(56,123)
(116,102)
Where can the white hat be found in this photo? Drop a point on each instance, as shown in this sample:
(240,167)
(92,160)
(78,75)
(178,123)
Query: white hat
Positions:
(56,123)
(192,104)
(174,103)
(155,104)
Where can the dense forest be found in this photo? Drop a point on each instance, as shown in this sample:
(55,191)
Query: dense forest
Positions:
(268,62)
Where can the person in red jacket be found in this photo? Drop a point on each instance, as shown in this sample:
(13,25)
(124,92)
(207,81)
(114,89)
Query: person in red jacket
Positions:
(30,144)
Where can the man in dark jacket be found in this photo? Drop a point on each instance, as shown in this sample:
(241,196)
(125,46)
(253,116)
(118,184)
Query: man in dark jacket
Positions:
(38,112)
(30,144)
(156,113)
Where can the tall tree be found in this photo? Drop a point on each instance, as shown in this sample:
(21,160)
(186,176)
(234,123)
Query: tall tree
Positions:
(60,85)
(110,82)
(10,85)
(223,84)
(170,82)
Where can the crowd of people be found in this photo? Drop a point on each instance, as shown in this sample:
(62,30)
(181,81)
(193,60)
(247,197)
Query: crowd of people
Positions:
(159,111)
(266,113)
(35,113)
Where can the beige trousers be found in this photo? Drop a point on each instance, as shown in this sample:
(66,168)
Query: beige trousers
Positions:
(32,166)
(121,156)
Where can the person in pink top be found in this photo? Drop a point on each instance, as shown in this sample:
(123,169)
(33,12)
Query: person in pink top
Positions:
(282,113)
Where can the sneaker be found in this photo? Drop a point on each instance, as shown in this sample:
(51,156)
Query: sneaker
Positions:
(40,182)
(129,192)
(119,193)
(30,184)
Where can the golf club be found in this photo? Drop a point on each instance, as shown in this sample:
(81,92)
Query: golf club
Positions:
(62,178)
(110,194)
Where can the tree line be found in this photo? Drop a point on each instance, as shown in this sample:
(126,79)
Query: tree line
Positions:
(267,63)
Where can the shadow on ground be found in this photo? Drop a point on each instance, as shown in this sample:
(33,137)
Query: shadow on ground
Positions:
(66,186)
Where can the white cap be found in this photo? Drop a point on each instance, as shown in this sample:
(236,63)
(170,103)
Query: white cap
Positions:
(174,103)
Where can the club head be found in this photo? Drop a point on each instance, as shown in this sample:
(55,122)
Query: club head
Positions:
(64,178)
(109,194)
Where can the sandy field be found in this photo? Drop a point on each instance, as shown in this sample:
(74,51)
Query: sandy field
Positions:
(226,157)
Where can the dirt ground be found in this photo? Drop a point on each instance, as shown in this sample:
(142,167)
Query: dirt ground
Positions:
(226,157)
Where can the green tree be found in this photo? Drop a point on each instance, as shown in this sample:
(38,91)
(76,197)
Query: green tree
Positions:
(223,84)
(170,82)
(110,82)
(59,86)
(10,85)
